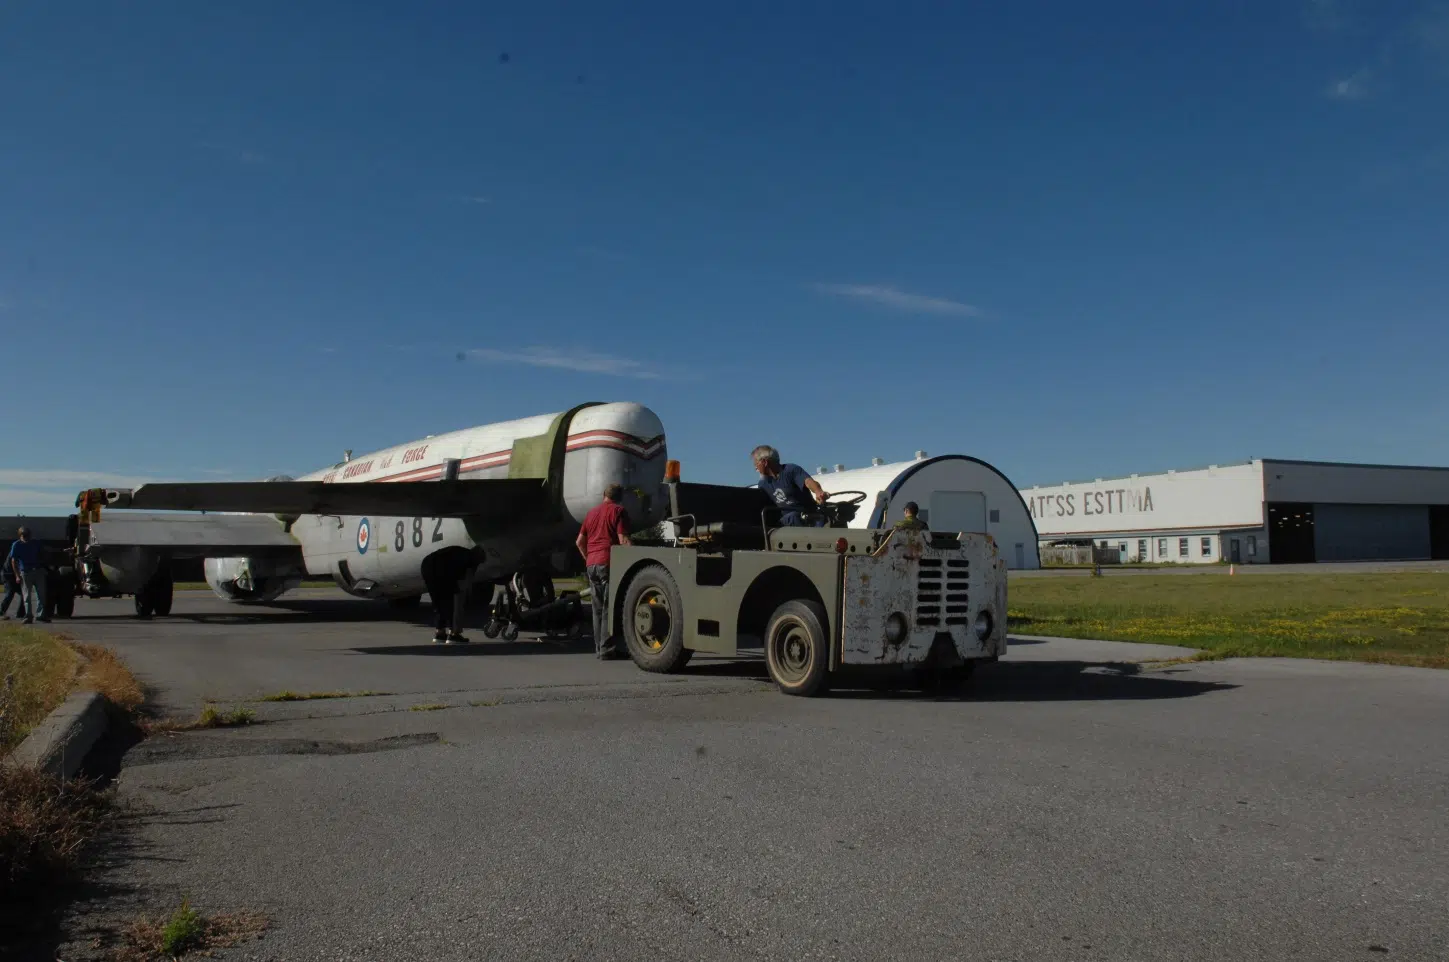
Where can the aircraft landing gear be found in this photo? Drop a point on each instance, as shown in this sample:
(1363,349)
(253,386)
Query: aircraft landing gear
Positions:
(156,595)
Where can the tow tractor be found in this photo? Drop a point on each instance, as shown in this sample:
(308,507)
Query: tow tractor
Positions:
(901,607)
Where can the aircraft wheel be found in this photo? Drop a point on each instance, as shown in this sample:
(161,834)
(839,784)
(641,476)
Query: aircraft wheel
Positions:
(144,608)
(797,651)
(653,621)
(162,596)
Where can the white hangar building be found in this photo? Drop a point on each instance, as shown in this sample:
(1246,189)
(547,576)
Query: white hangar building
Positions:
(1261,512)
(953,492)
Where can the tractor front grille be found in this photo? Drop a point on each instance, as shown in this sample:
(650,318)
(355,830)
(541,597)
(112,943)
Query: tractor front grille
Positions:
(943,592)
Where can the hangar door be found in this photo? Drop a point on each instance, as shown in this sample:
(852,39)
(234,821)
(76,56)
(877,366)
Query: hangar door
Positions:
(1439,532)
(957,511)
(1370,532)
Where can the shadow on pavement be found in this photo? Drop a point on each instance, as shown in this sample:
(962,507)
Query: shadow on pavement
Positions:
(479,647)
(731,668)
(335,610)
(1056,681)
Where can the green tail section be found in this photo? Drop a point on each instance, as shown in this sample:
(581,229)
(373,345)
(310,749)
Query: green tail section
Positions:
(541,457)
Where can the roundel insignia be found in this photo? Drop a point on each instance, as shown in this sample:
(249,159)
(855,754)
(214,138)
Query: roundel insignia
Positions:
(364,536)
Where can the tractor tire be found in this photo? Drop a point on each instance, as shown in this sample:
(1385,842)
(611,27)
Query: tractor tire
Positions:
(653,621)
(797,648)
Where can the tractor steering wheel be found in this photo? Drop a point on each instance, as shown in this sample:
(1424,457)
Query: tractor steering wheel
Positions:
(856,497)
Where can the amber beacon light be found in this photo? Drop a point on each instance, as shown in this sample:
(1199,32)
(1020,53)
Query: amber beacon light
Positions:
(671,471)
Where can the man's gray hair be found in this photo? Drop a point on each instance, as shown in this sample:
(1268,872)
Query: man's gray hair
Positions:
(613,491)
(766,453)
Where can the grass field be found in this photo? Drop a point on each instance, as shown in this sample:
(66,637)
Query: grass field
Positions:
(38,670)
(1393,618)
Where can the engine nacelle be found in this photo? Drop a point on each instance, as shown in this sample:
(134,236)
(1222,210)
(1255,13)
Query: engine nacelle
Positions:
(251,579)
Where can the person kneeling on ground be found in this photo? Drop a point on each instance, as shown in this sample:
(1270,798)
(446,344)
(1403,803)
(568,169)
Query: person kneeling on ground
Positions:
(443,573)
(603,527)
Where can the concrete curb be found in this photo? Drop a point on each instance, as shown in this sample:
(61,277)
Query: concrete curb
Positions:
(59,744)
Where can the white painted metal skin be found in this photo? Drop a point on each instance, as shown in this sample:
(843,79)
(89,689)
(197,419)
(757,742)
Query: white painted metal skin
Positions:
(944,488)
(936,590)
(621,442)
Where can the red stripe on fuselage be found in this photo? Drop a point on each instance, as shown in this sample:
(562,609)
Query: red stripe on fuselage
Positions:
(640,448)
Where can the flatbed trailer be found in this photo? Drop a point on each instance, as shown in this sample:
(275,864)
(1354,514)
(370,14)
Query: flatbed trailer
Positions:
(911,607)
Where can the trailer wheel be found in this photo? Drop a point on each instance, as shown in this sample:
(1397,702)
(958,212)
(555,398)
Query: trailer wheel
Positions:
(797,649)
(653,621)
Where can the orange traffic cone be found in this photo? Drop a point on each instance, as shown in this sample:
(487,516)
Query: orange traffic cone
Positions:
(1232,569)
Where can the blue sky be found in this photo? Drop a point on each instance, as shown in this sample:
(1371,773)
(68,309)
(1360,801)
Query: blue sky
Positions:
(1071,239)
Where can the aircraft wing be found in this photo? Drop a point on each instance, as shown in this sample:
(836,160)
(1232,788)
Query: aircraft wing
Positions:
(503,499)
(197,536)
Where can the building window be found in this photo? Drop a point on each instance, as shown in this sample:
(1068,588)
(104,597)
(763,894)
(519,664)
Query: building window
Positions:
(1162,547)
(1182,547)
(1252,546)
(1142,550)
(1207,547)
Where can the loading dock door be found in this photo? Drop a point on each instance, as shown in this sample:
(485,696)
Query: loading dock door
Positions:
(1371,532)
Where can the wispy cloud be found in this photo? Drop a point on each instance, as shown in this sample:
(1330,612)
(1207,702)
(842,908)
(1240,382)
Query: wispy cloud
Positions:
(56,488)
(16,500)
(64,477)
(476,200)
(1353,87)
(587,362)
(899,300)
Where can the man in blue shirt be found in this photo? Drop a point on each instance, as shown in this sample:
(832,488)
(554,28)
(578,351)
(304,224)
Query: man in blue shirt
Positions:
(12,588)
(25,562)
(793,491)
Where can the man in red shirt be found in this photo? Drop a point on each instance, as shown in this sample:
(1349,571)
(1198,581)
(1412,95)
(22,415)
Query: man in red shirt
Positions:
(604,527)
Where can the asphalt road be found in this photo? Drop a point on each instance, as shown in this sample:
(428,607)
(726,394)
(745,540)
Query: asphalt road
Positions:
(1075,806)
(1344,567)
